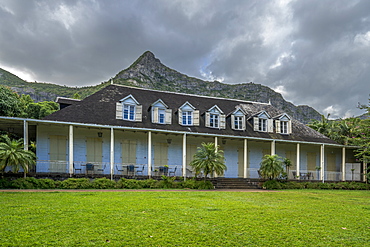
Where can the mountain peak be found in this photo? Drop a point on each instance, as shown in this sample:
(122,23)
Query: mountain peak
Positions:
(147,58)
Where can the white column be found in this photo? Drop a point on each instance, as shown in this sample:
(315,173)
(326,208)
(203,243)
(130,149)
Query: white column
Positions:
(298,161)
(25,139)
(149,153)
(343,164)
(25,135)
(184,156)
(322,163)
(245,159)
(273,148)
(111,159)
(216,144)
(70,150)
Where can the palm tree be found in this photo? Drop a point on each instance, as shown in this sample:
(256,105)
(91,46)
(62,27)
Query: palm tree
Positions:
(12,154)
(209,159)
(271,166)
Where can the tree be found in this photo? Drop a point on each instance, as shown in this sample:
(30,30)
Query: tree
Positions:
(271,166)
(10,104)
(209,159)
(76,96)
(13,154)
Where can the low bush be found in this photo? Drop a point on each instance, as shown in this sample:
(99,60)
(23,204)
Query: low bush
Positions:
(167,182)
(103,183)
(204,185)
(76,183)
(124,183)
(4,183)
(277,185)
(31,183)
(272,185)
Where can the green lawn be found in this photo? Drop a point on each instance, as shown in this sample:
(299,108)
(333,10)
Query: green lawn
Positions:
(188,218)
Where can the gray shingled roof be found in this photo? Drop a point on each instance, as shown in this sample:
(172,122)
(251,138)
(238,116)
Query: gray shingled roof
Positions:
(100,108)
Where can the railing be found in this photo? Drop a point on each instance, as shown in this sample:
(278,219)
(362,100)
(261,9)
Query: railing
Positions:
(122,169)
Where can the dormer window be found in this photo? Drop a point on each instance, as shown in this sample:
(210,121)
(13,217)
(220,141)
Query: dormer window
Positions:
(160,113)
(215,118)
(188,115)
(213,121)
(187,118)
(262,122)
(283,124)
(129,109)
(238,119)
(128,112)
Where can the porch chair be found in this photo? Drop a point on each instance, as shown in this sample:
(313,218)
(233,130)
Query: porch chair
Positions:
(101,169)
(140,171)
(131,169)
(172,172)
(89,167)
(76,169)
(119,169)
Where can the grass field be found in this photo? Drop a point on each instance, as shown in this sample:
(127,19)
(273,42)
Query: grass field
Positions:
(186,218)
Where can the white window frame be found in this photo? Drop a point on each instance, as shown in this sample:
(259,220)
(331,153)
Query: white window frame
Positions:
(262,124)
(130,113)
(238,122)
(186,116)
(214,120)
(284,125)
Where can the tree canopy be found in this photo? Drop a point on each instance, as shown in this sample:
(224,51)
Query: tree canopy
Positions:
(350,131)
(12,105)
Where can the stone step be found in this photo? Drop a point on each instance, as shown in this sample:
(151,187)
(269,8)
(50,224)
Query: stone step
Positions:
(235,183)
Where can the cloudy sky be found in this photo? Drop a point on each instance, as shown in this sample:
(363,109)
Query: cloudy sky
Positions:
(314,52)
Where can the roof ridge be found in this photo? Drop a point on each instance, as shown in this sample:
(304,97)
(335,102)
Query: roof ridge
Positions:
(195,95)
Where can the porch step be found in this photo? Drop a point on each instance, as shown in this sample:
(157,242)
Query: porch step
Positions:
(235,183)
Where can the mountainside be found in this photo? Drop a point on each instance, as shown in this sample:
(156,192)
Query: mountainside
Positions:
(148,72)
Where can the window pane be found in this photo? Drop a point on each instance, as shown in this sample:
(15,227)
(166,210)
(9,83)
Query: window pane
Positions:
(187,118)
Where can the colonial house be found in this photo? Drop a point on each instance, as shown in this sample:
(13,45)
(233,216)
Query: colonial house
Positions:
(124,130)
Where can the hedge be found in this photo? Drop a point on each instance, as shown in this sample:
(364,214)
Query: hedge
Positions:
(278,185)
(104,183)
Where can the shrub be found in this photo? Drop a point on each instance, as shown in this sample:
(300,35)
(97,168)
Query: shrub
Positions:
(272,185)
(149,183)
(45,183)
(124,183)
(24,183)
(76,183)
(167,182)
(103,183)
(188,184)
(204,185)
(4,183)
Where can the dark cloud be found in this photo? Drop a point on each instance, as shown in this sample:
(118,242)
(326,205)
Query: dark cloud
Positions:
(313,52)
